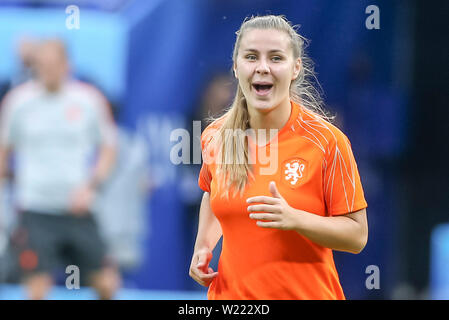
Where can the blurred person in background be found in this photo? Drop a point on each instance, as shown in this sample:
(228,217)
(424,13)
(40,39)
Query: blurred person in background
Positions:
(26,49)
(62,136)
(121,208)
(27,53)
(278,229)
(215,96)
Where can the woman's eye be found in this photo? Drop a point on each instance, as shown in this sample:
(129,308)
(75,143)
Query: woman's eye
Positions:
(276,58)
(251,57)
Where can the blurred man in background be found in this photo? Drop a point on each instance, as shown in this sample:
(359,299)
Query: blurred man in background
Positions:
(26,48)
(62,136)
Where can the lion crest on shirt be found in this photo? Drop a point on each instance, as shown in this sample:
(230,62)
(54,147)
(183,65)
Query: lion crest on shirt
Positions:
(293,172)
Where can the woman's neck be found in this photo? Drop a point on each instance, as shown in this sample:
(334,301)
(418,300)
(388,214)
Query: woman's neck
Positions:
(275,118)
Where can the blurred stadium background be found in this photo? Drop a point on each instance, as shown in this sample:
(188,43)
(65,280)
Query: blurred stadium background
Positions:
(153,60)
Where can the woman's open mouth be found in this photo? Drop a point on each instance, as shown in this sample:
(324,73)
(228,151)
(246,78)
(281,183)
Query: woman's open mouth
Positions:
(262,89)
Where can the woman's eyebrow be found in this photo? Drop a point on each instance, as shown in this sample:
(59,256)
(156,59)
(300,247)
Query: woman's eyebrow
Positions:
(270,51)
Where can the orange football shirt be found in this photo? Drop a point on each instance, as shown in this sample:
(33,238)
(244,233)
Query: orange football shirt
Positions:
(315,171)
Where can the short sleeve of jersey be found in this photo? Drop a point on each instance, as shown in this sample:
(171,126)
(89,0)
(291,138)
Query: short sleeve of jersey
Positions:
(208,153)
(205,177)
(342,185)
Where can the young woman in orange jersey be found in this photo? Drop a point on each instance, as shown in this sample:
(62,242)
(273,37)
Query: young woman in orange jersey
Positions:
(279,225)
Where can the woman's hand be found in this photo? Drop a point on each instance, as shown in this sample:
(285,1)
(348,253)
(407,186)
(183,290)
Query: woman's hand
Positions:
(273,212)
(199,267)
(345,232)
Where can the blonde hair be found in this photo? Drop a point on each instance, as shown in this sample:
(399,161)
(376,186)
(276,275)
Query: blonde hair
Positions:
(304,90)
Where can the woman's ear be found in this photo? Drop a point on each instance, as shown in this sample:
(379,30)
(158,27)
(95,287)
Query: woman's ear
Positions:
(297,68)
(234,69)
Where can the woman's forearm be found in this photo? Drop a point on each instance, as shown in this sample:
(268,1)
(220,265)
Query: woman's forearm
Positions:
(209,229)
(343,233)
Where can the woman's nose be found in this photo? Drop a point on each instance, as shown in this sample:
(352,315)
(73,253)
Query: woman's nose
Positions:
(262,67)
